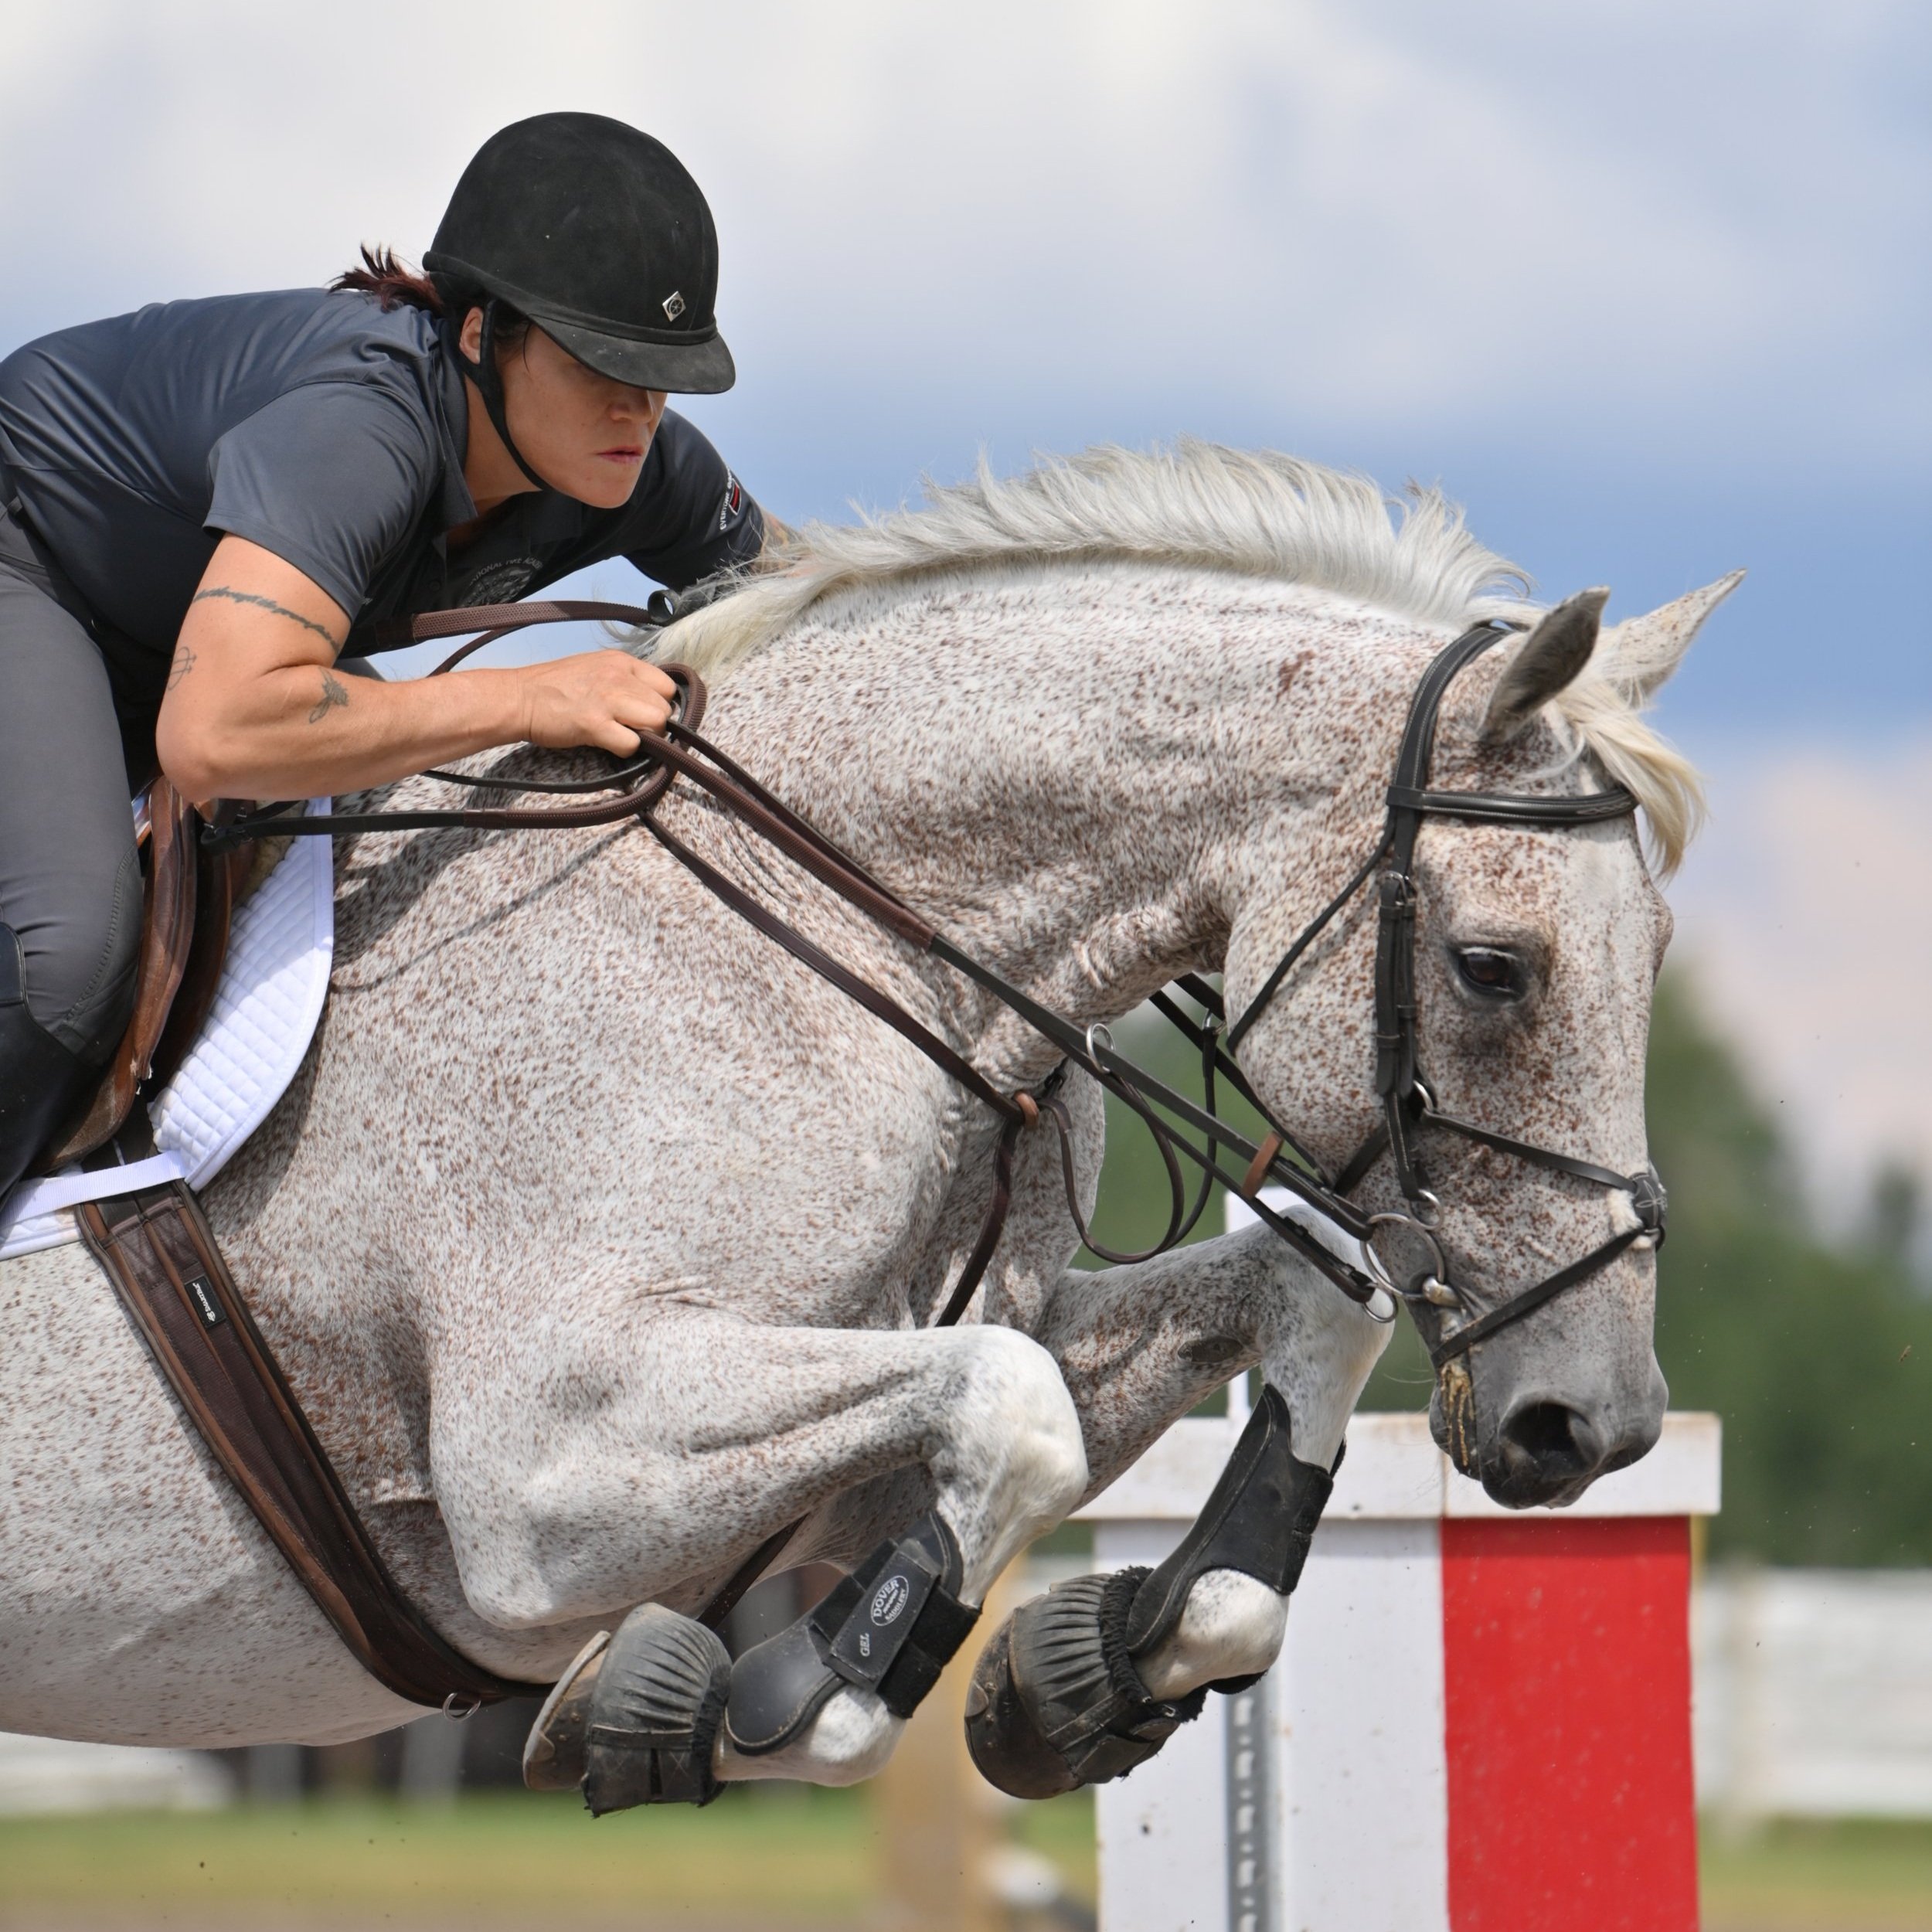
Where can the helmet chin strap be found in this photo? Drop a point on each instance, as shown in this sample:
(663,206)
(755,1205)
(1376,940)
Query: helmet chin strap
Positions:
(488,380)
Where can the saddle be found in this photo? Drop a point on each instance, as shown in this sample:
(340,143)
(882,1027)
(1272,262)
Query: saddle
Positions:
(188,899)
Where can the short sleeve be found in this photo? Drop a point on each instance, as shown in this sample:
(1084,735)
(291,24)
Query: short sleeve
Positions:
(689,517)
(331,477)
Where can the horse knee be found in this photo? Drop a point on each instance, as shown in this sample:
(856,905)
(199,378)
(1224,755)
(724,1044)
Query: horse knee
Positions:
(1014,1461)
(1018,1413)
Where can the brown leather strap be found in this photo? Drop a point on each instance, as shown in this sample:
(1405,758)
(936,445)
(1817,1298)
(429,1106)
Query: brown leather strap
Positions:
(880,1004)
(501,617)
(167,933)
(992,1227)
(158,1251)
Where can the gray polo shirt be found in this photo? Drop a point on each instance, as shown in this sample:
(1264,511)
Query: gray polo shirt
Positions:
(327,431)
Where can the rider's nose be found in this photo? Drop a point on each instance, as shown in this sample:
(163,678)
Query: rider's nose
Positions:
(1550,1443)
(643,407)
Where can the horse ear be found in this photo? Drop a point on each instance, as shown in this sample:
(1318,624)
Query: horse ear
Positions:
(1544,662)
(1640,653)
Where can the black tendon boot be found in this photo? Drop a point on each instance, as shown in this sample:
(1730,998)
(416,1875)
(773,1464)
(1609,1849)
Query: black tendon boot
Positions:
(41,1080)
(1057,1700)
(890,1627)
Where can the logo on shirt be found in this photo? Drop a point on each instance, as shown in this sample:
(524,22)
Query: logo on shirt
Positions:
(503,582)
(734,502)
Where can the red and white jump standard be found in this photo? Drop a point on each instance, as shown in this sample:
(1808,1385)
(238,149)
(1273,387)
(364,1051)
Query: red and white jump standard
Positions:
(1481,1720)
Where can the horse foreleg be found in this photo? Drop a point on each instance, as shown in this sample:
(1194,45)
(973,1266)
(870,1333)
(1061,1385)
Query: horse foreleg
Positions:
(704,1436)
(1129,1655)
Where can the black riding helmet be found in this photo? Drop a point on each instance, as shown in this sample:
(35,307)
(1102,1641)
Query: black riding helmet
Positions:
(597,233)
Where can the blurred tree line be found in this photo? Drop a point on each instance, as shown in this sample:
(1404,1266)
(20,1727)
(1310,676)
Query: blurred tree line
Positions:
(1815,1347)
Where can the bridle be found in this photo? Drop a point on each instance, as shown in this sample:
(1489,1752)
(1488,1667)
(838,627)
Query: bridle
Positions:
(1408,1102)
(1395,1256)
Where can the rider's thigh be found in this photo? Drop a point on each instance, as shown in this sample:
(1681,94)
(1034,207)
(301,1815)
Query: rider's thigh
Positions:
(70,880)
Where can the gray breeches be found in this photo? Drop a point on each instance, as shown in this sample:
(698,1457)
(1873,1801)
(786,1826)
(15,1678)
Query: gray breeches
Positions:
(70,879)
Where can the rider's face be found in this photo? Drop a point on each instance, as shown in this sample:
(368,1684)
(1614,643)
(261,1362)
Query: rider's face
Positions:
(584,433)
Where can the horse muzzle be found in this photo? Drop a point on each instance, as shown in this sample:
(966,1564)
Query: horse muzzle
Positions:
(1544,1451)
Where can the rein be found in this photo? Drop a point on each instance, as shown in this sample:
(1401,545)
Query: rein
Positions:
(1408,1104)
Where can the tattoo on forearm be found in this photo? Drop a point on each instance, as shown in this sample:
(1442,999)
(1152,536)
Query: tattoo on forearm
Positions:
(270,604)
(332,694)
(184,663)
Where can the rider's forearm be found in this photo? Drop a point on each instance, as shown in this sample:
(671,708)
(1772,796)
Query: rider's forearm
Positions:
(307,731)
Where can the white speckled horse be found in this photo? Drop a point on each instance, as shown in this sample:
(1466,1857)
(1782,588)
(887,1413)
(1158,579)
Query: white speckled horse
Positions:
(600,1240)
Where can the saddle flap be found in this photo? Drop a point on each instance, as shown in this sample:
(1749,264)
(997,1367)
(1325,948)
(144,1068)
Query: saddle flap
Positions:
(167,933)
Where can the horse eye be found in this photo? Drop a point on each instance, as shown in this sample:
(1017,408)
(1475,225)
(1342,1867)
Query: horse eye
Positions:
(1490,973)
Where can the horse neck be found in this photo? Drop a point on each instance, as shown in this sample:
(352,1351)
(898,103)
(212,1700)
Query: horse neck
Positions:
(1066,769)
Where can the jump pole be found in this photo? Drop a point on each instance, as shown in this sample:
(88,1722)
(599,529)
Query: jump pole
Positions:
(1480,1721)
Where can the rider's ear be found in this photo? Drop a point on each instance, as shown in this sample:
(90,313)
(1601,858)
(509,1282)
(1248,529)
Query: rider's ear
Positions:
(1640,653)
(1544,662)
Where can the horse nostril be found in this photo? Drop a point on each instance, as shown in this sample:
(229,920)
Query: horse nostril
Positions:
(1553,1438)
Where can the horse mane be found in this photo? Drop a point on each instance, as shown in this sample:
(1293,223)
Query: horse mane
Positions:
(1253,513)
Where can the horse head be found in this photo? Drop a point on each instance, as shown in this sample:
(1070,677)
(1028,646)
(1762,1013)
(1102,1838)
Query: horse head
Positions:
(1535,949)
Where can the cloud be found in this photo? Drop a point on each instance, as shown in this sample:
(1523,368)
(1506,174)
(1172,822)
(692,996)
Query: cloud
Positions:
(1642,283)
(1670,224)
(1805,915)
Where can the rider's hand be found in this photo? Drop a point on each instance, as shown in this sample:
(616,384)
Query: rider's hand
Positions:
(602,698)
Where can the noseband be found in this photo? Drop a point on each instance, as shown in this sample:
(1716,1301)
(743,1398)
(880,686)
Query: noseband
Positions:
(1400,1257)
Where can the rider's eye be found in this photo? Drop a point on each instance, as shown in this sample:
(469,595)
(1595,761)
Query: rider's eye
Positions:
(1490,973)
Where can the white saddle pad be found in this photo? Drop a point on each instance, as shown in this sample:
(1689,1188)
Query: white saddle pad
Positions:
(273,984)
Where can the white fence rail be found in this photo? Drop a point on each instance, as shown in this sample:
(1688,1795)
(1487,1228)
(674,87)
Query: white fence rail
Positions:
(1814,1692)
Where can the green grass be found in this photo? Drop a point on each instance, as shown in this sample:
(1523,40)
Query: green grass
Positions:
(788,1856)
(509,1857)
(1849,1876)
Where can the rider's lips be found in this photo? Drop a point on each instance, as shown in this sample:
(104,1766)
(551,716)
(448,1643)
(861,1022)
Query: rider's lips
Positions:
(623,453)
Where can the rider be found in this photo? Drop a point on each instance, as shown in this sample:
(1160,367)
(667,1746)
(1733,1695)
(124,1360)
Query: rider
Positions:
(205,504)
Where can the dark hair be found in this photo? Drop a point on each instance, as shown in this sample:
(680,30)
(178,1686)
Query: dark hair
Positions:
(381,275)
(385,275)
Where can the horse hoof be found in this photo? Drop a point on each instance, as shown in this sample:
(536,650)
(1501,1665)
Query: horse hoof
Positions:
(651,1717)
(554,1758)
(1056,1703)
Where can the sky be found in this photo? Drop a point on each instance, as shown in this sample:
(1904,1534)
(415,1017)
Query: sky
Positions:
(1643,285)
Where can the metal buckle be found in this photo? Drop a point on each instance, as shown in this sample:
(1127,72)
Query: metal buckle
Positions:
(1421,1280)
(1651,1199)
(461,1705)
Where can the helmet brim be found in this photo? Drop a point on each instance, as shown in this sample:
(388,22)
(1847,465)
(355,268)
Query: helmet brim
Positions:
(702,368)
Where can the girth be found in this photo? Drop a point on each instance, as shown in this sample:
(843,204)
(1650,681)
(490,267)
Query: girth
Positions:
(157,1249)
